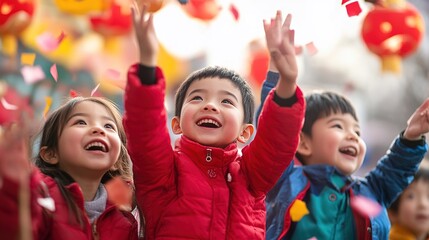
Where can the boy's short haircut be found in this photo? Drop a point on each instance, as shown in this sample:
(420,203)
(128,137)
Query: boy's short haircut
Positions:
(223,73)
(421,175)
(320,104)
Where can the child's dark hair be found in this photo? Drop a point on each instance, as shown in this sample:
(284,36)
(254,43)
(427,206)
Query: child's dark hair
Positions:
(421,175)
(52,130)
(320,104)
(223,73)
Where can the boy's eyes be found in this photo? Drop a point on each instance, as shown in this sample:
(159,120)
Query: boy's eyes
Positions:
(196,98)
(227,101)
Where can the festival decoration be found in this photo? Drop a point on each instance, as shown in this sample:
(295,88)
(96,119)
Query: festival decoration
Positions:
(82,7)
(15,16)
(153,5)
(392,30)
(205,10)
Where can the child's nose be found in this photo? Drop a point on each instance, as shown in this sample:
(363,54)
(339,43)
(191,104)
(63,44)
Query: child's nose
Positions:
(210,107)
(97,130)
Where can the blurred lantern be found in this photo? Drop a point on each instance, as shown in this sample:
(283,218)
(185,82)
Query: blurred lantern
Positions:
(81,7)
(153,5)
(204,10)
(259,66)
(392,31)
(111,24)
(15,16)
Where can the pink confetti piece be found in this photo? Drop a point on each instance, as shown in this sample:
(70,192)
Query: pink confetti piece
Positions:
(32,74)
(311,48)
(113,74)
(365,206)
(7,105)
(54,72)
(94,90)
(233,9)
(353,9)
(73,93)
(312,238)
(47,42)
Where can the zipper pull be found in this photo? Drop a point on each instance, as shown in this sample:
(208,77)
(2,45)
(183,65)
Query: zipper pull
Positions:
(209,155)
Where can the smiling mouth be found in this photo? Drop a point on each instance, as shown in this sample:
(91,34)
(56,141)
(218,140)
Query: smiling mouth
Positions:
(351,151)
(208,123)
(96,146)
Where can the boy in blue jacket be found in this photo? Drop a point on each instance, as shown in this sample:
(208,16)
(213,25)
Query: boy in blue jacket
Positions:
(330,151)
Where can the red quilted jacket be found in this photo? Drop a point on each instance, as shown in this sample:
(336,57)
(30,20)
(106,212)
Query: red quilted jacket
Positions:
(183,196)
(59,224)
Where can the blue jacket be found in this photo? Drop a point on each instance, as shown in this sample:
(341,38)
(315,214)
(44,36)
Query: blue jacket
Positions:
(391,176)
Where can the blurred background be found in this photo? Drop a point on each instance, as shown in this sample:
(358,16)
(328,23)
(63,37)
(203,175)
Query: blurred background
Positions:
(374,52)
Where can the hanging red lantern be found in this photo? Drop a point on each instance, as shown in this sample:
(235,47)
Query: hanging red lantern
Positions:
(15,16)
(392,30)
(116,21)
(204,10)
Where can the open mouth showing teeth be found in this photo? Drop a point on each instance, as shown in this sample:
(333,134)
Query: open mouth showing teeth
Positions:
(349,151)
(209,123)
(96,146)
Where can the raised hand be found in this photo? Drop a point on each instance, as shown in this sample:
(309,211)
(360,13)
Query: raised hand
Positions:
(14,153)
(280,44)
(418,124)
(145,34)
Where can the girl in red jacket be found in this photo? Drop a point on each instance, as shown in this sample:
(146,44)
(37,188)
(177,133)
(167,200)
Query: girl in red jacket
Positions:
(82,146)
(204,188)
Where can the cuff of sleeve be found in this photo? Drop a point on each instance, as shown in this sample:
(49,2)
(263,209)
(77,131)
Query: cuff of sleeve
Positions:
(412,143)
(146,74)
(272,77)
(285,102)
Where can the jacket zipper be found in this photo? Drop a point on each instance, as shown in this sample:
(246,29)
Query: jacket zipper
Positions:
(94,230)
(209,155)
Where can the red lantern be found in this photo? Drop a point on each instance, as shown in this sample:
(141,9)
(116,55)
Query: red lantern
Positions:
(114,22)
(392,31)
(15,15)
(204,10)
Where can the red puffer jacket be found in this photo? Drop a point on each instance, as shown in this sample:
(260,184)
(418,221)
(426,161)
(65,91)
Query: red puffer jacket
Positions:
(182,195)
(59,224)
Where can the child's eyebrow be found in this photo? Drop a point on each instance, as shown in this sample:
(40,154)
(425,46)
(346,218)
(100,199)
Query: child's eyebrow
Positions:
(222,92)
(342,120)
(87,115)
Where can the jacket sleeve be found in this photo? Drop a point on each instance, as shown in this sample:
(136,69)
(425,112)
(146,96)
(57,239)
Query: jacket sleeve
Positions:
(269,83)
(275,143)
(10,226)
(395,171)
(145,122)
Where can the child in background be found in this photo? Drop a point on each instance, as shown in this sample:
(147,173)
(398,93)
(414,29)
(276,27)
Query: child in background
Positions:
(409,213)
(204,188)
(82,146)
(331,150)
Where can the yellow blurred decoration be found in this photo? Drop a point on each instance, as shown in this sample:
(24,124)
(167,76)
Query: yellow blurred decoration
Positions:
(81,7)
(172,67)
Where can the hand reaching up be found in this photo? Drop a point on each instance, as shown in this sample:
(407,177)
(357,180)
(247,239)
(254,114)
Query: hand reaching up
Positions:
(280,43)
(145,34)
(418,124)
(14,153)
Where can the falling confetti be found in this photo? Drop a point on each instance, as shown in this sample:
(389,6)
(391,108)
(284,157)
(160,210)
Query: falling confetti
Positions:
(233,9)
(73,93)
(298,210)
(113,74)
(28,58)
(365,206)
(32,74)
(48,42)
(353,9)
(311,48)
(54,72)
(94,90)
(7,105)
(48,101)
(119,193)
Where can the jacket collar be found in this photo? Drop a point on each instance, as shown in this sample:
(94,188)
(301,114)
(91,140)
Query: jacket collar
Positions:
(206,156)
(324,175)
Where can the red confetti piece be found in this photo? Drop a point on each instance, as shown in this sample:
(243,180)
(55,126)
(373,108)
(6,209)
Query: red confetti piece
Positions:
(344,2)
(73,93)
(365,206)
(233,9)
(353,9)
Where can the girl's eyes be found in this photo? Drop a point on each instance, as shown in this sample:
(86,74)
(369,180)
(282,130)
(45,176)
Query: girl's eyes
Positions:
(111,126)
(80,122)
(338,126)
(196,98)
(227,101)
